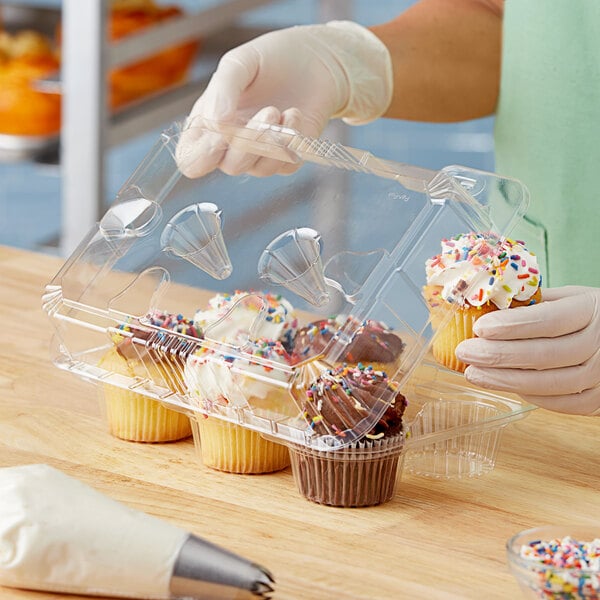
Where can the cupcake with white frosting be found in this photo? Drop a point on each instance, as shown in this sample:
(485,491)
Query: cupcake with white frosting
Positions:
(234,318)
(476,273)
(254,377)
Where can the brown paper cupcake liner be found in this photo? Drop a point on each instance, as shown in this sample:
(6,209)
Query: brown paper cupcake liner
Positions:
(363,474)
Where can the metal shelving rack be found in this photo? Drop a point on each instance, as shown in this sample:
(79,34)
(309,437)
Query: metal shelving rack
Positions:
(87,128)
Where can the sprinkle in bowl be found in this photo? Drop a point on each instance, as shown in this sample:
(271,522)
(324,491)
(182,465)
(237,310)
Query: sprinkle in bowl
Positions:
(557,562)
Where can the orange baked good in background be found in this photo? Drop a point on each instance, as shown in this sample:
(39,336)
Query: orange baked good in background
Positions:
(155,72)
(158,71)
(28,55)
(24,57)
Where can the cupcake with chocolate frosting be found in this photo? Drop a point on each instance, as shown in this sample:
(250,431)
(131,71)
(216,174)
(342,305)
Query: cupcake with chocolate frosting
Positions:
(348,340)
(337,404)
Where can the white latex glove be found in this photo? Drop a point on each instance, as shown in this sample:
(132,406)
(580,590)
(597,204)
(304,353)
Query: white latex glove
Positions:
(299,78)
(547,353)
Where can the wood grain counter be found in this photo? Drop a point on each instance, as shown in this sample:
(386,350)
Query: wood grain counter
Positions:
(435,539)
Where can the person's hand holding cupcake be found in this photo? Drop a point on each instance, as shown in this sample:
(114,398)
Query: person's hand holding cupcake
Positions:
(548,353)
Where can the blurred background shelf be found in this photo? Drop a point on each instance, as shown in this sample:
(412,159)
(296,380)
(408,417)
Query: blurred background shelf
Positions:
(87,129)
(215,26)
(52,194)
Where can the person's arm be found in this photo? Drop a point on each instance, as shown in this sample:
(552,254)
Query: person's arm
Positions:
(446,59)
(438,61)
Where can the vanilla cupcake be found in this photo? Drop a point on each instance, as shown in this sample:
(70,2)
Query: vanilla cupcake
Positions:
(475,274)
(142,353)
(253,377)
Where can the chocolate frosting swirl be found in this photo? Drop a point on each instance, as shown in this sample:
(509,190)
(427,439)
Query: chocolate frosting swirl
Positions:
(341,397)
(370,341)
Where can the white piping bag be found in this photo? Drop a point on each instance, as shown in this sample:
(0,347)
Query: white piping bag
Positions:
(58,534)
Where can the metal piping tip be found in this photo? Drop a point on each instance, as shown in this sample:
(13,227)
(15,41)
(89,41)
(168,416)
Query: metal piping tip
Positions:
(263,587)
(203,570)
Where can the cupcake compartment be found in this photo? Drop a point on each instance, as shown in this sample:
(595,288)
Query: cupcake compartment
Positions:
(130,414)
(228,447)
(454,430)
(468,455)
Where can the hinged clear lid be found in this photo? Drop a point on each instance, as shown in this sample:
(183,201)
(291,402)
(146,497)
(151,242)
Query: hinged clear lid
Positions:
(234,294)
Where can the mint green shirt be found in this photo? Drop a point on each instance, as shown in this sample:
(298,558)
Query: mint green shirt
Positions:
(547,131)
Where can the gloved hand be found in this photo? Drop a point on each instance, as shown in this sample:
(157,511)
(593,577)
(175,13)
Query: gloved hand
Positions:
(299,78)
(548,353)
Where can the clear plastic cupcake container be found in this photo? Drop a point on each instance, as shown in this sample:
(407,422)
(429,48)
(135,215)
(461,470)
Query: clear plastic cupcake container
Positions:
(346,235)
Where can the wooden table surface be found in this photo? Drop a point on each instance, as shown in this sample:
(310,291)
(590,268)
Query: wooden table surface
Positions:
(435,539)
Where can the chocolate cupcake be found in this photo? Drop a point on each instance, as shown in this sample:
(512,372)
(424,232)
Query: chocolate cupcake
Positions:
(362,473)
(368,342)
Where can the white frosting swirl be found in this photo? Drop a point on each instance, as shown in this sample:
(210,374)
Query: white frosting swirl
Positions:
(476,268)
(235,318)
(212,378)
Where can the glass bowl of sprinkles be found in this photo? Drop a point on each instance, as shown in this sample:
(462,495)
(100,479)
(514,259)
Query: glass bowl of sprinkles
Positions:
(558,562)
